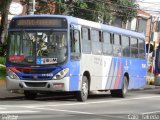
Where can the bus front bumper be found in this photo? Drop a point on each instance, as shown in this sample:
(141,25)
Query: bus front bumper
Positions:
(38,85)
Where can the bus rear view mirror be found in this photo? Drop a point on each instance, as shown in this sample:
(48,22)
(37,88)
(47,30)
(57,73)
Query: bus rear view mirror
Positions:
(149,48)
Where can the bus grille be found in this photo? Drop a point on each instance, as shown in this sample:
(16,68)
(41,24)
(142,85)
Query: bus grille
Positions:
(35,71)
(35,84)
(37,78)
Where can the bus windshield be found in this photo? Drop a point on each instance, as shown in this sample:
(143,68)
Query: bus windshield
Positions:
(37,47)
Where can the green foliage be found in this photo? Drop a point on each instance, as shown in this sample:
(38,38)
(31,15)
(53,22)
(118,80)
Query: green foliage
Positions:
(3,4)
(3,48)
(2,67)
(2,72)
(2,60)
(79,9)
(96,10)
(126,9)
(100,10)
(104,14)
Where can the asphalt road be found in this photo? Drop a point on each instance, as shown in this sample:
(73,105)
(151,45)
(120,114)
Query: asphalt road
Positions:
(138,105)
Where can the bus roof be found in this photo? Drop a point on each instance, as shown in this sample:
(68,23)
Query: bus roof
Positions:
(88,23)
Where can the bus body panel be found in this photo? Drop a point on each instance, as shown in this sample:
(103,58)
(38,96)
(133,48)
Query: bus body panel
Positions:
(157,68)
(74,81)
(98,68)
(137,71)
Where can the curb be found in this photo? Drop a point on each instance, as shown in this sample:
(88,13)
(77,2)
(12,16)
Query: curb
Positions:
(147,87)
(2,82)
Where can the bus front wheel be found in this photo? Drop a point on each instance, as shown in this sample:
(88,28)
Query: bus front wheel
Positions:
(121,92)
(30,95)
(82,95)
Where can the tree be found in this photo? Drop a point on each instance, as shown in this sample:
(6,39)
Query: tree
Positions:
(100,10)
(125,9)
(103,13)
(4,8)
(4,5)
(46,7)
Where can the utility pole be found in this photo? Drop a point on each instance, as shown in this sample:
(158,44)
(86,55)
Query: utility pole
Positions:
(149,36)
(31,7)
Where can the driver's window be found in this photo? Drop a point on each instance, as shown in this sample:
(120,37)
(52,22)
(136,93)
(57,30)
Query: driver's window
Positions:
(75,41)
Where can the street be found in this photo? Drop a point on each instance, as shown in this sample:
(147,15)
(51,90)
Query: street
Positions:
(139,104)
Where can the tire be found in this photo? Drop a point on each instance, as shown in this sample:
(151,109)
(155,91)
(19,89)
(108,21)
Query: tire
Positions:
(82,95)
(121,92)
(30,95)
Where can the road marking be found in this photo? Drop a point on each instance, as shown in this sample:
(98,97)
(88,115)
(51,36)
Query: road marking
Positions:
(17,112)
(50,104)
(79,112)
(60,110)
(87,103)
(151,112)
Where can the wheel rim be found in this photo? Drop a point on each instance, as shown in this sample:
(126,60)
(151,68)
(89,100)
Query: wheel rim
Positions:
(84,89)
(125,87)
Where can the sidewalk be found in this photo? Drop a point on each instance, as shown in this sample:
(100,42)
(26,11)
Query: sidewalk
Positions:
(2,82)
(5,94)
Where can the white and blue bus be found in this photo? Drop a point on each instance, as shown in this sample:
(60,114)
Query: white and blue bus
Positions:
(54,53)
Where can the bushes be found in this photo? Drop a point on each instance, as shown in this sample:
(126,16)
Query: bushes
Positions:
(2,60)
(3,48)
(2,67)
(2,72)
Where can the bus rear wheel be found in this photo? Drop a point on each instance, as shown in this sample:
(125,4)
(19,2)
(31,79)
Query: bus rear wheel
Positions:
(82,95)
(121,92)
(30,95)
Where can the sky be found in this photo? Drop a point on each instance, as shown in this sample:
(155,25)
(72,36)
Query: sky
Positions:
(150,6)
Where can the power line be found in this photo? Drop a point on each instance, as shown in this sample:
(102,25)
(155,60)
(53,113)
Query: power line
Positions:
(155,3)
(158,4)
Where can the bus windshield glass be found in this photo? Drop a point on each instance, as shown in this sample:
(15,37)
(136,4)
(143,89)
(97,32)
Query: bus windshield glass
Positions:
(37,47)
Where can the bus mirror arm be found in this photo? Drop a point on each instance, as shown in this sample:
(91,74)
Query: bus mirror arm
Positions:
(153,54)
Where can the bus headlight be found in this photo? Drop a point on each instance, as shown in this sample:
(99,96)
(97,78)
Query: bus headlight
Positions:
(61,74)
(12,75)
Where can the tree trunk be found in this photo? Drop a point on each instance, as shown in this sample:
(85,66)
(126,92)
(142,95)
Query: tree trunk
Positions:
(4,22)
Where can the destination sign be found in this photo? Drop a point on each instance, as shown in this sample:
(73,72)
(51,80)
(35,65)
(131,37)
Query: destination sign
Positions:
(39,22)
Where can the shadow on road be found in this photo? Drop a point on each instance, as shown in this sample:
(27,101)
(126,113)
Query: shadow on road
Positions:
(8,96)
(49,97)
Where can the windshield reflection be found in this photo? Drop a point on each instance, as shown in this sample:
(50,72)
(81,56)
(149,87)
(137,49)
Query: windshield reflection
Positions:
(44,47)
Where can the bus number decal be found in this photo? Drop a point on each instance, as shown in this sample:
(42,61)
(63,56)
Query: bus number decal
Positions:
(47,75)
(46,60)
(143,65)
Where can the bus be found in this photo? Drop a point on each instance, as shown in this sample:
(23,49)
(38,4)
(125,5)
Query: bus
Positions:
(157,66)
(56,53)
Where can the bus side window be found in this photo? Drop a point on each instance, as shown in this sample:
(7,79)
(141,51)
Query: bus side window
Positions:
(86,40)
(134,47)
(116,45)
(141,48)
(96,43)
(107,44)
(125,46)
(75,43)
